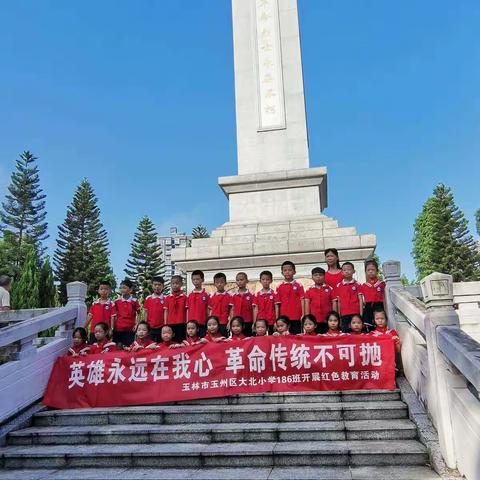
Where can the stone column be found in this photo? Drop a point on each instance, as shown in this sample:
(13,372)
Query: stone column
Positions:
(437,290)
(76,294)
(391,272)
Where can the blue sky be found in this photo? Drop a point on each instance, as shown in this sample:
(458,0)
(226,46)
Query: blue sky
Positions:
(138,97)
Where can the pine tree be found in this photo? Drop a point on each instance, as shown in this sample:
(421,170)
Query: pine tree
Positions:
(25,292)
(145,257)
(477,221)
(47,291)
(200,232)
(23,211)
(442,241)
(82,246)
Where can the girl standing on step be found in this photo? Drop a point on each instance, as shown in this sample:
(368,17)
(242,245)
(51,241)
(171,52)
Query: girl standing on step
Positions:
(213,330)
(237,325)
(380,319)
(192,329)
(260,327)
(309,325)
(282,326)
(102,337)
(142,338)
(333,322)
(79,346)
(333,276)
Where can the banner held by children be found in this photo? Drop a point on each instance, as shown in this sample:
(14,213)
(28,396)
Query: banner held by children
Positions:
(256,365)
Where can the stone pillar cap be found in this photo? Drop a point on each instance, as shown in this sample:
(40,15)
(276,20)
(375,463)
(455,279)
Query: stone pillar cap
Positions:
(437,290)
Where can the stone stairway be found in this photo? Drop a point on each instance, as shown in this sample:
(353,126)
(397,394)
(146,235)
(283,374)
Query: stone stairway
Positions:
(329,436)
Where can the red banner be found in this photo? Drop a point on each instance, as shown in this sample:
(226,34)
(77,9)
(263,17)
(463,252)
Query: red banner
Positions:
(256,365)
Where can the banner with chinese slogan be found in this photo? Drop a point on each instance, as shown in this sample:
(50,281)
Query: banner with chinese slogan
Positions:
(256,365)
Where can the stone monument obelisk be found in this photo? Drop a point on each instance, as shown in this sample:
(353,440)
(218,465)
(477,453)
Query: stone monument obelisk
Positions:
(276,200)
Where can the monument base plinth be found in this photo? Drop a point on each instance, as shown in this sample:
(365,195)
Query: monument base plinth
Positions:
(253,247)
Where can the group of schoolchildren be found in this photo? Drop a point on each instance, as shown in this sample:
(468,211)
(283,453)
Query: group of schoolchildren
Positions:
(336,304)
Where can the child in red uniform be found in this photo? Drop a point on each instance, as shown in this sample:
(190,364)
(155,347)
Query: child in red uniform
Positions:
(282,326)
(154,308)
(333,276)
(333,322)
(348,296)
(319,299)
(142,339)
(102,310)
(213,330)
(176,308)
(102,337)
(127,308)
(380,318)
(242,303)
(197,302)
(260,327)
(220,302)
(166,335)
(373,291)
(356,325)
(237,325)
(309,325)
(290,301)
(192,334)
(79,346)
(264,301)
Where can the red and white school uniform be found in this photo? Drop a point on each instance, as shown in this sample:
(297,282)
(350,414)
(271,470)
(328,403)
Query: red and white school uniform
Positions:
(373,290)
(239,337)
(176,307)
(289,296)
(333,333)
(211,338)
(191,340)
(243,305)
(348,294)
(220,303)
(140,344)
(333,279)
(311,334)
(126,309)
(265,303)
(320,298)
(154,305)
(379,331)
(78,350)
(103,347)
(166,344)
(197,305)
(101,312)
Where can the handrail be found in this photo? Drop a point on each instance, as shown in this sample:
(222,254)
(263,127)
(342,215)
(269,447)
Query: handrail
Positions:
(411,308)
(28,328)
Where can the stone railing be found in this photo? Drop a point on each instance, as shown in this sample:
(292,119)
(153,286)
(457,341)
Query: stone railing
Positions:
(440,361)
(25,374)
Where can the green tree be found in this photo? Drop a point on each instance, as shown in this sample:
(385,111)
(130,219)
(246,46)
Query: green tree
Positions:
(406,281)
(25,291)
(477,221)
(442,241)
(82,252)
(145,260)
(22,214)
(47,291)
(200,232)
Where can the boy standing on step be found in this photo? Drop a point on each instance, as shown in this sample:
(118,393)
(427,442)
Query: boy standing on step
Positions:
(102,310)
(373,291)
(197,302)
(242,301)
(264,301)
(221,303)
(319,299)
(154,309)
(176,309)
(290,298)
(127,308)
(348,299)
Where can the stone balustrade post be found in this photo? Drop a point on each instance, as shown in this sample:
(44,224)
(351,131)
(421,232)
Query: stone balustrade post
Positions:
(437,291)
(76,294)
(392,273)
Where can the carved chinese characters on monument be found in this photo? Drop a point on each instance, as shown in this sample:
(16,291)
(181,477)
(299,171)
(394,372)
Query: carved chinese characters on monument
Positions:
(270,81)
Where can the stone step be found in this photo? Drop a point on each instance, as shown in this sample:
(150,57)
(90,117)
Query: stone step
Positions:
(211,433)
(188,455)
(186,414)
(263,473)
(299,397)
